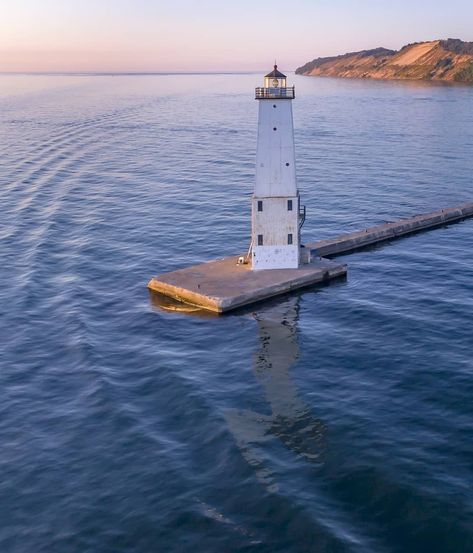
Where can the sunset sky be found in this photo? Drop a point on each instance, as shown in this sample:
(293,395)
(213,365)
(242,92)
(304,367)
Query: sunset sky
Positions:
(212,35)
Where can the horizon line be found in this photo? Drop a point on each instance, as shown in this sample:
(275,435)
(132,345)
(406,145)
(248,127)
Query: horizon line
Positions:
(135,73)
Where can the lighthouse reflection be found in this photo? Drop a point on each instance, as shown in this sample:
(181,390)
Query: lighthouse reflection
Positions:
(291,421)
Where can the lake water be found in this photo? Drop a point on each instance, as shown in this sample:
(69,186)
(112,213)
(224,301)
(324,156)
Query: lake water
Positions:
(337,420)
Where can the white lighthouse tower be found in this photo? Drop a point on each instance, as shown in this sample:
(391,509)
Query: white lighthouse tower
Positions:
(276,262)
(275,225)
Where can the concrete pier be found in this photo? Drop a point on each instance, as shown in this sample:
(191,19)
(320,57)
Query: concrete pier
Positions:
(347,243)
(224,285)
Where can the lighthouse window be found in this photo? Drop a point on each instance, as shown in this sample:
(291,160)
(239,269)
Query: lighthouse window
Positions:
(275,129)
(289,239)
(260,239)
(260,205)
(287,164)
(274,105)
(289,205)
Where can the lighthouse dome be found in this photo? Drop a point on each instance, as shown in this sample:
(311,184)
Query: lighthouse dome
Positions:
(276,73)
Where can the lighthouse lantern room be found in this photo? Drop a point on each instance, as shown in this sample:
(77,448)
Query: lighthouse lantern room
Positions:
(276,216)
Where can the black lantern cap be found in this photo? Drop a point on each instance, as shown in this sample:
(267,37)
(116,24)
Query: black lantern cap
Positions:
(275,74)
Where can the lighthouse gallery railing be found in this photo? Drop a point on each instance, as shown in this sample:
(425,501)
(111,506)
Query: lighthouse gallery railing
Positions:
(288,93)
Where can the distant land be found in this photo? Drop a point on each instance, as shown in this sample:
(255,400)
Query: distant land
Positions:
(436,60)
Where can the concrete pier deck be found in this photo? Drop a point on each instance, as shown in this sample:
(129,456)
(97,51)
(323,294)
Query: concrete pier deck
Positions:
(347,243)
(224,285)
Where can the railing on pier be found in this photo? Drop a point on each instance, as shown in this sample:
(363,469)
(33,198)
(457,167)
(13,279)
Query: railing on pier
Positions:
(286,93)
(302,215)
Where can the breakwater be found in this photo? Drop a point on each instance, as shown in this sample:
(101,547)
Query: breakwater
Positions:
(347,243)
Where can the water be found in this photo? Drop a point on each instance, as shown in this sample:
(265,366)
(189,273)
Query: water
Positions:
(338,420)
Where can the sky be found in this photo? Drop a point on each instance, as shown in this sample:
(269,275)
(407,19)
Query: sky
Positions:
(212,35)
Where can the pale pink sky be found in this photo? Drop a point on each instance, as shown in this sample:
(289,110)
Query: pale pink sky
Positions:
(212,35)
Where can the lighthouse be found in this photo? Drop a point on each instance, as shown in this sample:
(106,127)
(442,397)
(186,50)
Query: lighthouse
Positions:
(276,262)
(275,213)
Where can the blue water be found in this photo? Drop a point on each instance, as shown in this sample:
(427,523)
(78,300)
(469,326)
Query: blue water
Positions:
(338,420)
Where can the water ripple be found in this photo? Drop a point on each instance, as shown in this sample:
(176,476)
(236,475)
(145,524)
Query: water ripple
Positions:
(335,420)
